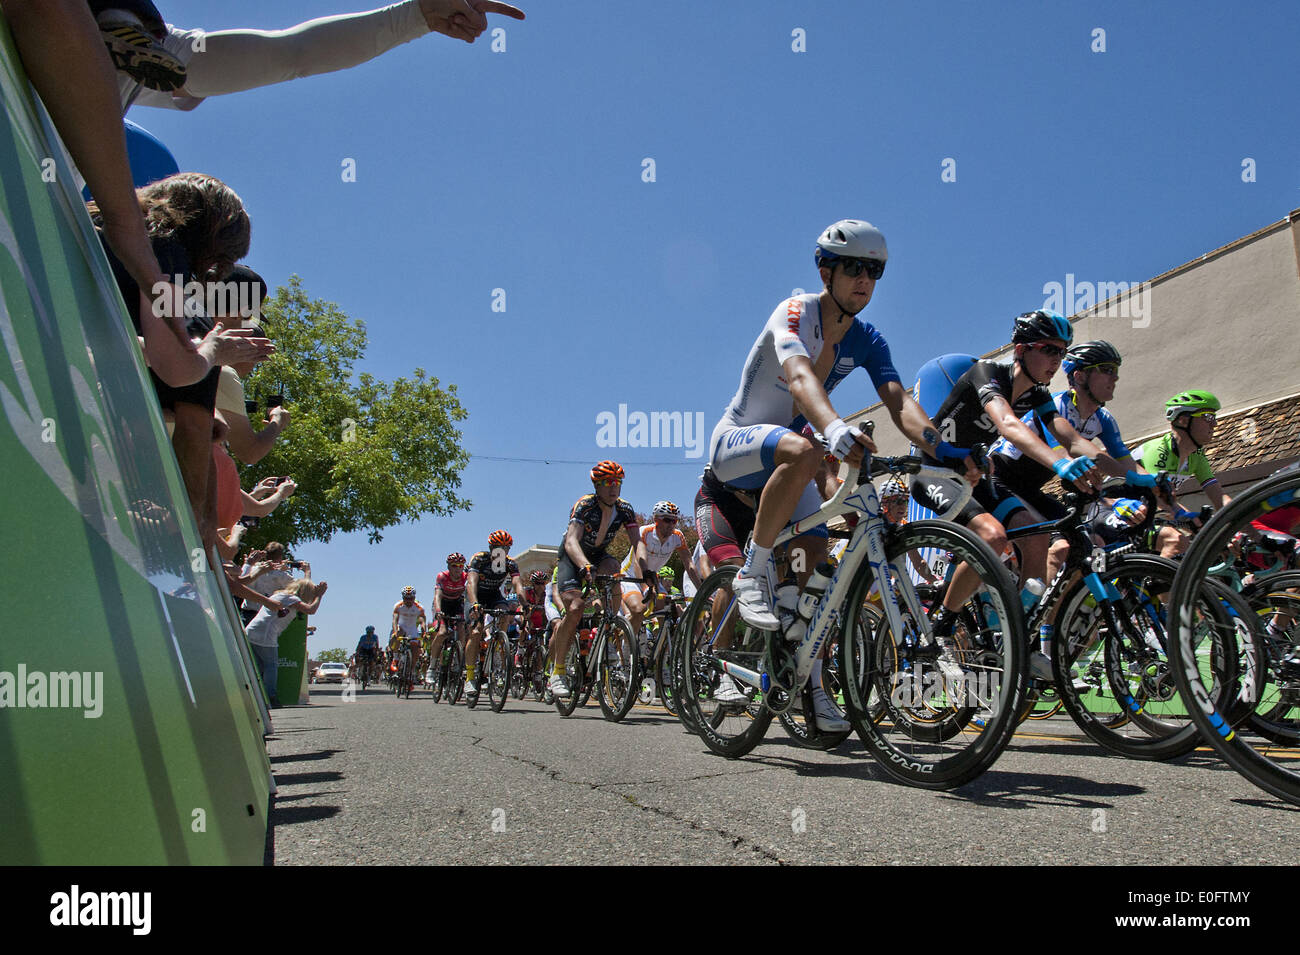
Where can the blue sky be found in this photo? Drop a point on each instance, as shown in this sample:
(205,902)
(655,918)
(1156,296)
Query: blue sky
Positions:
(523,170)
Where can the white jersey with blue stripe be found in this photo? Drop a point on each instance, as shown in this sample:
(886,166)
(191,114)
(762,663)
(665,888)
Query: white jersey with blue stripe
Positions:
(795,328)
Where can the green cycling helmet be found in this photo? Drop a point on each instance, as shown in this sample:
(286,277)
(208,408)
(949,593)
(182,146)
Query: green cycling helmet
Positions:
(666,571)
(1190,401)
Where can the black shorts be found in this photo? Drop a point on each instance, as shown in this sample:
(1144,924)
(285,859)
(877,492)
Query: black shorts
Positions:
(723,521)
(453,608)
(568,577)
(202,393)
(990,496)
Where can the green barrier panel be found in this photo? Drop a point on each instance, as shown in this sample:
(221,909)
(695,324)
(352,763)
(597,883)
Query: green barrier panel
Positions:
(293,659)
(128,732)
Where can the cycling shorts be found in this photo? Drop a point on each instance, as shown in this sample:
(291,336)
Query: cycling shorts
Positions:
(568,577)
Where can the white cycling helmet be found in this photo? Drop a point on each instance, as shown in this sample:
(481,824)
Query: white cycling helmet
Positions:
(850,238)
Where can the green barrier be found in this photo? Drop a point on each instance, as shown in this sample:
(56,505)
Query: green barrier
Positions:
(128,730)
(293,659)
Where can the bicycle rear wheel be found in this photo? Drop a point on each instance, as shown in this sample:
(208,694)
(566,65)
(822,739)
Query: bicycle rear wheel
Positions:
(1276,605)
(712,635)
(795,721)
(498,671)
(663,671)
(948,720)
(618,679)
(573,669)
(1111,665)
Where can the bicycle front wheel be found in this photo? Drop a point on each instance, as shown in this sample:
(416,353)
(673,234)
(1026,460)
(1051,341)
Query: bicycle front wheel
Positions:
(1276,604)
(946,720)
(712,635)
(1264,762)
(619,679)
(498,671)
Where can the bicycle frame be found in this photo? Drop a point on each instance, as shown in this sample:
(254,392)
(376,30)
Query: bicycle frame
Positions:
(866,543)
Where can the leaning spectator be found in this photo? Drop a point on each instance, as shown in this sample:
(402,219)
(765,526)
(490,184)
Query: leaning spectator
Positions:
(275,574)
(235,60)
(264,629)
(245,443)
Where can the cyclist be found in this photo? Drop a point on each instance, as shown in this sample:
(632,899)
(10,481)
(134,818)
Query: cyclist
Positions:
(1181,452)
(408,625)
(368,648)
(489,571)
(986,404)
(448,601)
(807,346)
(656,542)
(893,505)
(593,522)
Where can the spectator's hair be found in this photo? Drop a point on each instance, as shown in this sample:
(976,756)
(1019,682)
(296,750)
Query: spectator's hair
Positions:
(302,588)
(203,214)
(274,551)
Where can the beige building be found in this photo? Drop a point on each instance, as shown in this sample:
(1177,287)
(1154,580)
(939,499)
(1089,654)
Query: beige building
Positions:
(1227,322)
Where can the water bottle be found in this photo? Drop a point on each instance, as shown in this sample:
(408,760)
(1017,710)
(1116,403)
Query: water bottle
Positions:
(813,590)
(1033,589)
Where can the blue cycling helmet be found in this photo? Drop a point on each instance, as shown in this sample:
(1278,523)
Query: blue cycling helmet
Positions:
(370,629)
(1041,325)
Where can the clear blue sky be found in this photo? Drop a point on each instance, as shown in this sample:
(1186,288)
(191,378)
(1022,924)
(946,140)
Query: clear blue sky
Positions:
(522,170)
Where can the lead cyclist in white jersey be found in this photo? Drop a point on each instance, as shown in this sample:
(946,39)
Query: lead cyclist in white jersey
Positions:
(809,344)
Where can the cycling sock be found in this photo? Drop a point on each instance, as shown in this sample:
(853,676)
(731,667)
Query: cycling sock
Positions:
(816,676)
(756,559)
(1045,632)
(470,671)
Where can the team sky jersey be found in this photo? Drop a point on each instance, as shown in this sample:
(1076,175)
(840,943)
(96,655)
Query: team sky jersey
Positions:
(1159,454)
(587,512)
(408,618)
(494,568)
(1100,424)
(657,551)
(795,328)
(452,589)
(962,420)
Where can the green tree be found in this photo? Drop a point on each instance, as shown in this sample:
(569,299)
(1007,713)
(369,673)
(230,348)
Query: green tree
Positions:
(337,655)
(366,454)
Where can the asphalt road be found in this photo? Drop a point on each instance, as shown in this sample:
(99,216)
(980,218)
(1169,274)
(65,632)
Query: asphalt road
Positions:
(382,781)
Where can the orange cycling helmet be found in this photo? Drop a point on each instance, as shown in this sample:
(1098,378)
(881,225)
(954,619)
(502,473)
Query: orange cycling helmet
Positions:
(607,471)
(500,539)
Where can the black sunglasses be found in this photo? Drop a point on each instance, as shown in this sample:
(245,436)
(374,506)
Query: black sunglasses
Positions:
(855,267)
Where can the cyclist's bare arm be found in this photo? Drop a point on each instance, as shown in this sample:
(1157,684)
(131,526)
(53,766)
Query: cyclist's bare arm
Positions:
(813,403)
(910,419)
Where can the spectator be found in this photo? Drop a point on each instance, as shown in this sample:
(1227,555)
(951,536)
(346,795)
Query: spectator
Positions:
(276,574)
(264,629)
(245,443)
(236,60)
(132,30)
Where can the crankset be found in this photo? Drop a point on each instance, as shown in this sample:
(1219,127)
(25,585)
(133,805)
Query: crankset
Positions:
(782,671)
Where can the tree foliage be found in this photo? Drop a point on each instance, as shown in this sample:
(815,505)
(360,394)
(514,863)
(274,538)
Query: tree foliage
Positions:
(336,655)
(366,454)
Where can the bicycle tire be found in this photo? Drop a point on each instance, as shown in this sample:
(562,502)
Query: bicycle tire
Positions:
(1118,687)
(663,670)
(498,671)
(617,685)
(992,665)
(1268,766)
(730,730)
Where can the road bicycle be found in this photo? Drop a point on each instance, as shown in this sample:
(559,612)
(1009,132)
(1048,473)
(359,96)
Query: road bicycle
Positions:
(1265,762)
(927,737)
(611,668)
(530,673)
(407,659)
(657,663)
(449,670)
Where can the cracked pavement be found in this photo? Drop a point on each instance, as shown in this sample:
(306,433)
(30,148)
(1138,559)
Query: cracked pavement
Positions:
(382,781)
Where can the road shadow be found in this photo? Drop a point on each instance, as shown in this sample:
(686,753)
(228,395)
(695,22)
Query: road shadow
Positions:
(301,757)
(293,815)
(302,779)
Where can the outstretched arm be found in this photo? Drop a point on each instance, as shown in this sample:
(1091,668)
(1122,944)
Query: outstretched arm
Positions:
(235,60)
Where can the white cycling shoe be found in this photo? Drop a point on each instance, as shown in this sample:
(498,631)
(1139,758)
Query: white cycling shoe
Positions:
(1040,667)
(558,684)
(827,714)
(754,601)
(728,692)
